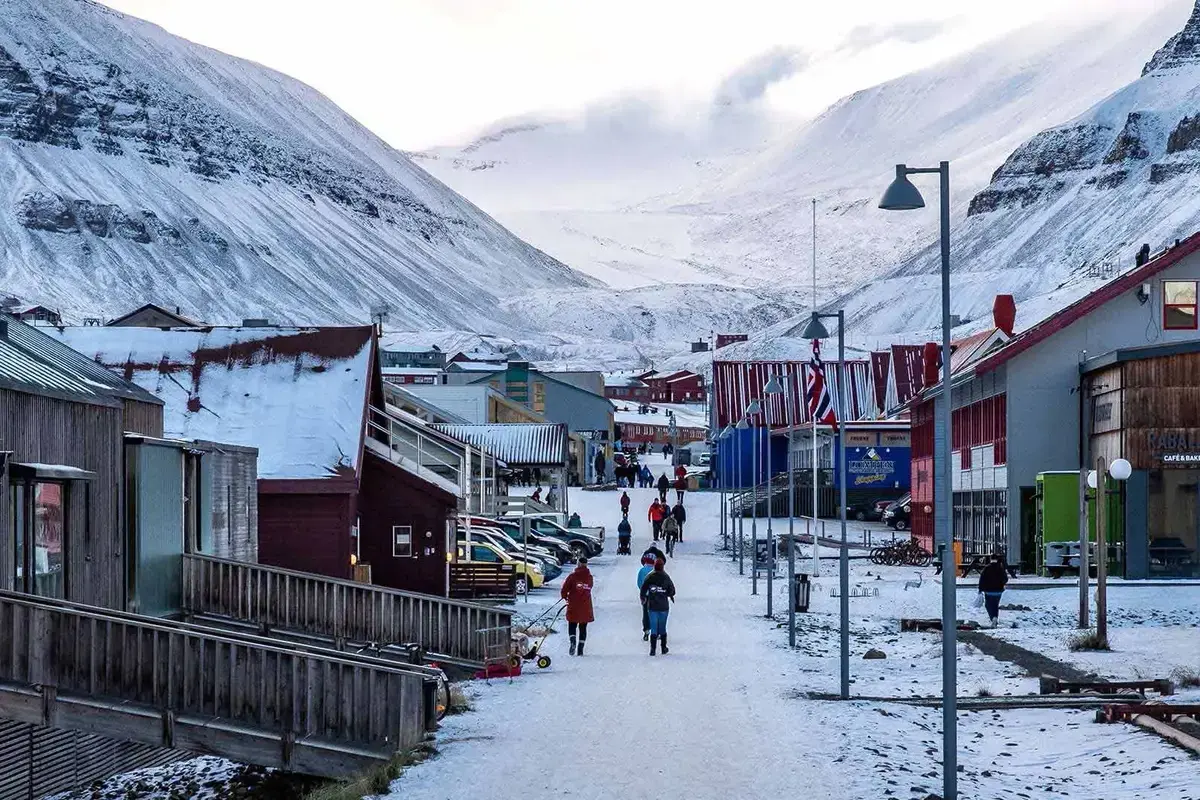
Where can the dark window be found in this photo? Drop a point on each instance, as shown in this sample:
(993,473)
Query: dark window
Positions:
(402,541)
(39,530)
(480,553)
(1179,305)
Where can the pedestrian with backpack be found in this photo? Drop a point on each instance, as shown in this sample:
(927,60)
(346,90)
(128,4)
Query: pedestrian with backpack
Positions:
(648,560)
(670,530)
(577,591)
(658,593)
(680,515)
(663,486)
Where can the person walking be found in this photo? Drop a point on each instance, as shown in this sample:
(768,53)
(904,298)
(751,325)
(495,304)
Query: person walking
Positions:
(670,531)
(624,537)
(625,501)
(645,478)
(537,495)
(663,485)
(654,554)
(599,463)
(656,514)
(575,521)
(577,591)
(648,559)
(992,581)
(680,482)
(552,496)
(658,592)
(680,515)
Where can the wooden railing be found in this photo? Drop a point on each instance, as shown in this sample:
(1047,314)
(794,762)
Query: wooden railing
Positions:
(186,687)
(454,631)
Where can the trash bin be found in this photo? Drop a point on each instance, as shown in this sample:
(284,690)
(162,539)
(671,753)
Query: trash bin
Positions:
(801,590)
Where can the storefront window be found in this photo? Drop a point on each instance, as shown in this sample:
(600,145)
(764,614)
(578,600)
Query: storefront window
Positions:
(49,560)
(1173,521)
(1179,305)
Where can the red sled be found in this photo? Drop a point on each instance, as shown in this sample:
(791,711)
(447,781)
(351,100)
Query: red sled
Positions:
(500,670)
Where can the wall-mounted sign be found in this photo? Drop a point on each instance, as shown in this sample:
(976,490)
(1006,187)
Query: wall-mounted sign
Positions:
(885,467)
(1177,447)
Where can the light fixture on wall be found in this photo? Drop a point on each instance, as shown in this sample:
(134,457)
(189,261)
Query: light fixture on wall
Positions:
(1143,293)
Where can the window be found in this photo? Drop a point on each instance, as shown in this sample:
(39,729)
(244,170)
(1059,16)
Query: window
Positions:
(39,514)
(1179,305)
(402,545)
(481,553)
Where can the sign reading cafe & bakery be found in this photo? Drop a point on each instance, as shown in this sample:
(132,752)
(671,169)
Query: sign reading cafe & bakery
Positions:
(1178,447)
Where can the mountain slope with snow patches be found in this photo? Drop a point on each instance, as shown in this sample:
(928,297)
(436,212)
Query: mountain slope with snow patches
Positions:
(1070,207)
(136,166)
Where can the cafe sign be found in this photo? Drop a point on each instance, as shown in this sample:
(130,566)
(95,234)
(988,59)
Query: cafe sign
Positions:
(1175,447)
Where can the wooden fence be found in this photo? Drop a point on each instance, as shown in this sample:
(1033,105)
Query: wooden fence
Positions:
(183,686)
(453,631)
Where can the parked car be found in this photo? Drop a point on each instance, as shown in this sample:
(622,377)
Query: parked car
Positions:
(488,553)
(547,563)
(897,513)
(582,543)
(556,547)
(704,459)
(866,510)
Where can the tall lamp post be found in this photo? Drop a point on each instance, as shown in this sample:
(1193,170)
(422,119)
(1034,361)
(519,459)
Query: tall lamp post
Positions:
(1119,470)
(902,195)
(774,388)
(723,437)
(753,410)
(816,330)
(741,533)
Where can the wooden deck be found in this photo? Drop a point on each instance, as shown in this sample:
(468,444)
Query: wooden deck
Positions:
(344,612)
(245,698)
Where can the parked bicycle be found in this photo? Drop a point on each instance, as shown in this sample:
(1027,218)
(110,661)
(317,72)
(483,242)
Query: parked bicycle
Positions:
(907,553)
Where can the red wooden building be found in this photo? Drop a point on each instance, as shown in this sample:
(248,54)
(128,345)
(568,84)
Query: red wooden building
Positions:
(681,386)
(333,488)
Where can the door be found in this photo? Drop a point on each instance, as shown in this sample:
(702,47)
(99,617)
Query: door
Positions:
(1030,533)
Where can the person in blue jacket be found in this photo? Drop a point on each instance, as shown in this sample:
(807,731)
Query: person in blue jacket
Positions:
(647,567)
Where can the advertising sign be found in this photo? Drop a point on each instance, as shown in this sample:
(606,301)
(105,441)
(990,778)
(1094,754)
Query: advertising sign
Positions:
(880,467)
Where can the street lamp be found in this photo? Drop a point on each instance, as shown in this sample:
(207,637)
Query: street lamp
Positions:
(1119,470)
(741,537)
(773,388)
(751,410)
(816,330)
(902,195)
(723,437)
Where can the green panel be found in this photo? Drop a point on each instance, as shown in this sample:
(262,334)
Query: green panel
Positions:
(159,561)
(1058,511)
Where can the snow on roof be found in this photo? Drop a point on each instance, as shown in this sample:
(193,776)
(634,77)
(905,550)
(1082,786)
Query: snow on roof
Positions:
(297,394)
(686,416)
(411,371)
(618,379)
(476,366)
(518,444)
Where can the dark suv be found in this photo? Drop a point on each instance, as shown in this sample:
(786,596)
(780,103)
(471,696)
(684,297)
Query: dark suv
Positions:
(896,515)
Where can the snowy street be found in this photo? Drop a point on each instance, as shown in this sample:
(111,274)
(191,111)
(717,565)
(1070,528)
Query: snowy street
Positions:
(726,713)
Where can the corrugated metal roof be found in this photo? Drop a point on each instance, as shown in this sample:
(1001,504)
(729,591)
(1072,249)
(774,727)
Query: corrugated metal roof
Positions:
(34,362)
(518,444)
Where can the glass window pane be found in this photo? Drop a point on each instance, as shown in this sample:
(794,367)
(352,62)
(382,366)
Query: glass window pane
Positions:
(1179,292)
(48,547)
(18,528)
(1179,317)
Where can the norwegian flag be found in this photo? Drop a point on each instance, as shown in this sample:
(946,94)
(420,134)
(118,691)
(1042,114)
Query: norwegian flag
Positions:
(820,404)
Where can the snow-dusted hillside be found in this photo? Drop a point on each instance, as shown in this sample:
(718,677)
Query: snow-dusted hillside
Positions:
(136,166)
(636,201)
(1070,207)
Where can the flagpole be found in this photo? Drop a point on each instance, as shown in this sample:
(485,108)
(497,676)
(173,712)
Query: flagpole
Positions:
(816,565)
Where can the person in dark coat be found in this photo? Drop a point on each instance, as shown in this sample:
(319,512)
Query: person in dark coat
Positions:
(658,592)
(663,485)
(577,591)
(600,464)
(680,515)
(625,501)
(624,536)
(992,581)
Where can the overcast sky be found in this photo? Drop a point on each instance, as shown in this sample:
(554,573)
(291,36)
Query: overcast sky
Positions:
(425,72)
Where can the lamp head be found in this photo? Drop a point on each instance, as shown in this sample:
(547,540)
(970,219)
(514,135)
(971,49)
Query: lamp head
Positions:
(774,386)
(726,432)
(902,195)
(742,424)
(814,329)
(1091,479)
(754,408)
(1120,469)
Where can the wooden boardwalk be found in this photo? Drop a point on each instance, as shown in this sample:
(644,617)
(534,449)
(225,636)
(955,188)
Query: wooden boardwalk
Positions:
(175,685)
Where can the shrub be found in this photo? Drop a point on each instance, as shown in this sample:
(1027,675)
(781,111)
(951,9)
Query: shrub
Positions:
(1087,640)
(1186,677)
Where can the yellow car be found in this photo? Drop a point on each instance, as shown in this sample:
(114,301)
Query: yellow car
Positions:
(487,552)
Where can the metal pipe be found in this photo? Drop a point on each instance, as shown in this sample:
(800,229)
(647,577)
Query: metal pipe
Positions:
(946,495)
(844,560)
(770,518)
(1101,549)
(791,523)
(1084,533)
(741,537)
(754,518)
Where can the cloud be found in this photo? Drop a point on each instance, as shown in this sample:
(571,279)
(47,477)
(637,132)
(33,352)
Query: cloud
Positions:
(865,37)
(752,80)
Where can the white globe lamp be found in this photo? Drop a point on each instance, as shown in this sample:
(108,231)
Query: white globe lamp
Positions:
(1120,469)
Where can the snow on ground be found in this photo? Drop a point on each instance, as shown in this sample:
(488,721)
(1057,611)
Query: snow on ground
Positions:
(728,713)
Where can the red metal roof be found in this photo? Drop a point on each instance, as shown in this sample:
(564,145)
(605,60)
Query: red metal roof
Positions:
(1086,305)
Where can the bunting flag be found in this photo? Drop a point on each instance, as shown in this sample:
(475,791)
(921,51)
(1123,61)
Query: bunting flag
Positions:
(820,404)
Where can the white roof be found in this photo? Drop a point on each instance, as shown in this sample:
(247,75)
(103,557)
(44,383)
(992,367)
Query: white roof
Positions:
(617,379)
(411,371)
(297,394)
(477,366)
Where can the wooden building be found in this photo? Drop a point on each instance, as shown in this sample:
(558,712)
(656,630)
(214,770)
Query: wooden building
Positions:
(331,457)
(154,316)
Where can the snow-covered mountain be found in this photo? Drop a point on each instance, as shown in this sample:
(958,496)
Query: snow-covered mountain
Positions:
(1070,207)
(729,202)
(136,166)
